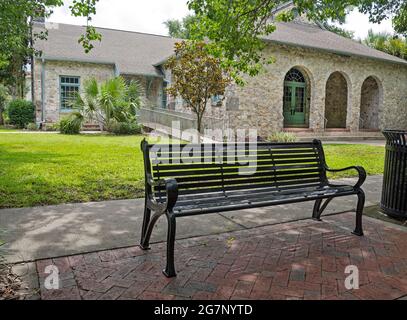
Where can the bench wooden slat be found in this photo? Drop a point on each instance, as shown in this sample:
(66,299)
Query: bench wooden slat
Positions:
(287,186)
(230,146)
(252,194)
(229,158)
(269,173)
(190,166)
(252,198)
(236,169)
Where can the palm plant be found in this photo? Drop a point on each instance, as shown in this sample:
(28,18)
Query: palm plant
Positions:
(391,44)
(377,40)
(113,100)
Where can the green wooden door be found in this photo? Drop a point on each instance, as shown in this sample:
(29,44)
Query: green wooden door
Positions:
(294,104)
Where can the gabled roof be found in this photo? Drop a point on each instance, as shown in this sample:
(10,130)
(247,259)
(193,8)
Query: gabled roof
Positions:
(141,53)
(314,37)
(130,52)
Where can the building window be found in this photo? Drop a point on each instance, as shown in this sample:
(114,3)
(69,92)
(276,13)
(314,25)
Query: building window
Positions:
(164,95)
(69,87)
(216,100)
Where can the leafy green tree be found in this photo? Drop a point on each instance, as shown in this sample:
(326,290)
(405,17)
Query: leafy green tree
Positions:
(235,28)
(340,31)
(196,76)
(18,37)
(4,97)
(181,28)
(113,100)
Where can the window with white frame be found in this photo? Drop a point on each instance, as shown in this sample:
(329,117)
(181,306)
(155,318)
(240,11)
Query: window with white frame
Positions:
(69,87)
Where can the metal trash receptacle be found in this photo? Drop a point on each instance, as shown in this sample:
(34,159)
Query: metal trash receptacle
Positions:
(394,194)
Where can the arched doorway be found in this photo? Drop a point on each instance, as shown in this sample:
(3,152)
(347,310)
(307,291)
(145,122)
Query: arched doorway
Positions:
(336,101)
(295,104)
(370,104)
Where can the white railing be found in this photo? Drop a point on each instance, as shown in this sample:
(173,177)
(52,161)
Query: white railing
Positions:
(154,117)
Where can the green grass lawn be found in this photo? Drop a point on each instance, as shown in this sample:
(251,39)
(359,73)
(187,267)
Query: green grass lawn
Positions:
(42,169)
(3,129)
(342,156)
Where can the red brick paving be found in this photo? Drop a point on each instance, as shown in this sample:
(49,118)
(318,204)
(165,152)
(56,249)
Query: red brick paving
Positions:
(300,260)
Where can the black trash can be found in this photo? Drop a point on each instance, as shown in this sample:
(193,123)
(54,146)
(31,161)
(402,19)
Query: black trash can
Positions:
(394,195)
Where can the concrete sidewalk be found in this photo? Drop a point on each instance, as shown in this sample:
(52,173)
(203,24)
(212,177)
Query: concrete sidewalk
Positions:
(53,231)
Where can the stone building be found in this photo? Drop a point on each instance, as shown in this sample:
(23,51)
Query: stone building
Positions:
(319,82)
(63,66)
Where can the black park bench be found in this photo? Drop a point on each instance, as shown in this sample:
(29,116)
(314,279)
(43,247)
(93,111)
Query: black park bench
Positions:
(188,180)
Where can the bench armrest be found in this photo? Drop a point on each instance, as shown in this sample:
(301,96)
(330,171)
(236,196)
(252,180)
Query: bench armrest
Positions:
(360,170)
(171,188)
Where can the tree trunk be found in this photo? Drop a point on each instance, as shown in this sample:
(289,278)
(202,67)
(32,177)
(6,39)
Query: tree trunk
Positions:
(1,117)
(199,127)
(199,124)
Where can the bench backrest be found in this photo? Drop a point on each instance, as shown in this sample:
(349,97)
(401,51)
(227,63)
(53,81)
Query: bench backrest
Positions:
(209,168)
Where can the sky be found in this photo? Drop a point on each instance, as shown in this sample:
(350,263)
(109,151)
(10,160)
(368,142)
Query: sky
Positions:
(148,16)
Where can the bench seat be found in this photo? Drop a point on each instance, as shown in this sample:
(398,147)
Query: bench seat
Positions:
(252,198)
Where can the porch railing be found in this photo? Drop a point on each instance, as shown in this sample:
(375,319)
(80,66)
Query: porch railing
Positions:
(156,117)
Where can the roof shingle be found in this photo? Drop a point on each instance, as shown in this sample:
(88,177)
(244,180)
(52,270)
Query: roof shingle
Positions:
(138,53)
(312,36)
(131,52)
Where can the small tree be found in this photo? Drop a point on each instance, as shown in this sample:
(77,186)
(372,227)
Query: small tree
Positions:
(196,77)
(112,101)
(180,28)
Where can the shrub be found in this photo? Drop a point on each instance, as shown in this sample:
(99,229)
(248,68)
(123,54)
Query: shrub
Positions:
(282,137)
(31,127)
(4,97)
(20,113)
(52,127)
(70,125)
(122,128)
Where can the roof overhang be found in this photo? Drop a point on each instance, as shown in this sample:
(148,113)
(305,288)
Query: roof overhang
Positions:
(337,52)
(63,59)
(50,58)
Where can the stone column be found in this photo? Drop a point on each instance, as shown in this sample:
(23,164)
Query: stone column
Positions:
(352,120)
(317,107)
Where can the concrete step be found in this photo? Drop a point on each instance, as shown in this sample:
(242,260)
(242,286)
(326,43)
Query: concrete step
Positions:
(340,138)
(90,127)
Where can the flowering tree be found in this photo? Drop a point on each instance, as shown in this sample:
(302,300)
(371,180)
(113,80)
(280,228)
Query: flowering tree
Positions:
(196,77)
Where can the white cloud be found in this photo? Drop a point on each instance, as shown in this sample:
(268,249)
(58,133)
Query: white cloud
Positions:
(148,16)
(359,23)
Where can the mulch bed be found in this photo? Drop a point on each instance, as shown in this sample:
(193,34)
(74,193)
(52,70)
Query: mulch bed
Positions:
(10,284)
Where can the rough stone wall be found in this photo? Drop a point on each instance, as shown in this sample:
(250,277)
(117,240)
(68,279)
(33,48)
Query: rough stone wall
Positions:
(336,101)
(370,102)
(259,104)
(55,69)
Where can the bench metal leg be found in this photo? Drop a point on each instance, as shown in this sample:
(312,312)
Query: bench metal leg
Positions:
(169,270)
(359,213)
(146,221)
(316,214)
(318,209)
(148,226)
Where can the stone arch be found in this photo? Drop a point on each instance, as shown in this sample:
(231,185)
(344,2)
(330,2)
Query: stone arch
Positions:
(370,104)
(297,97)
(337,100)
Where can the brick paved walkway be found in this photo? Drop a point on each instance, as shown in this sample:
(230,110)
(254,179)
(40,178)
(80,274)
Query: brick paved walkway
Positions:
(300,260)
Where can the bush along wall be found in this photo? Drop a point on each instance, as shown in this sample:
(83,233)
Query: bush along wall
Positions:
(21,113)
